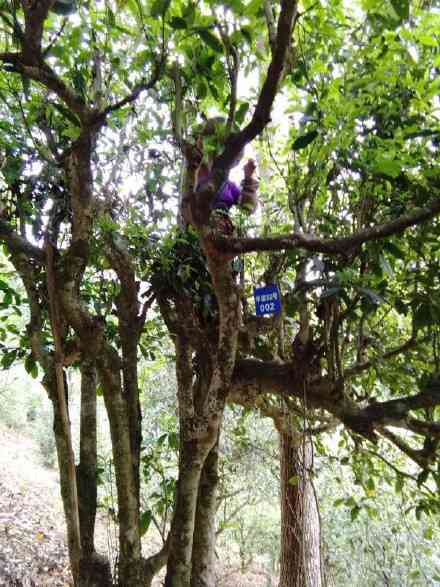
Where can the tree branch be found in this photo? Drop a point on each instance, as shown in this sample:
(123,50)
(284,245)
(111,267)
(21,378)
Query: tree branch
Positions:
(266,99)
(233,63)
(18,244)
(43,74)
(360,367)
(100,117)
(332,246)
(254,378)
(415,455)
(270,21)
(35,13)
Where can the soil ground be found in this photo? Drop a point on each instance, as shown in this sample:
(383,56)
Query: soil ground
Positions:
(32,548)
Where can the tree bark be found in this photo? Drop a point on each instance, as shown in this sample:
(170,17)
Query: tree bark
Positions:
(94,569)
(65,462)
(204,527)
(193,454)
(300,560)
(130,569)
(130,326)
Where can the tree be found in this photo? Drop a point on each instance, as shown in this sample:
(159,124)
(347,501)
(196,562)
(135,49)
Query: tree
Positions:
(355,200)
(300,562)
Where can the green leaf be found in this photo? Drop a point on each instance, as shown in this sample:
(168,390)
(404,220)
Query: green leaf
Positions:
(7,300)
(393,250)
(145,521)
(401,8)
(428,40)
(211,40)
(388,167)
(202,89)
(398,486)
(178,23)
(371,486)
(34,371)
(304,140)
(31,366)
(173,440)
(386,267)
(422,316)
(161,439)
(428,533)
(214,91)
(294,480)
(72,132)
(241,112)
(8,359)
(422,477)
(247,34)
(354,512)
(160,8)
(371,295)
(189,13)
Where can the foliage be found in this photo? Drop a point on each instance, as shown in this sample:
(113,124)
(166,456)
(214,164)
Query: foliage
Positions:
(99,112)
(380,541)
(26,410)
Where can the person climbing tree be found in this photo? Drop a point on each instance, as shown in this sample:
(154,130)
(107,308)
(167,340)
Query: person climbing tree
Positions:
(229,194)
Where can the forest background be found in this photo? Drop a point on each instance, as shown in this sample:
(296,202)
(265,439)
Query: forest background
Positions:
(103,105)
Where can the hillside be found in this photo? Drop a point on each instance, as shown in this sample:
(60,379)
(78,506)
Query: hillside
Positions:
(32,547)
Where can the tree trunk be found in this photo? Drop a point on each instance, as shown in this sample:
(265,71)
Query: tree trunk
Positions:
(204,527)
(86,470)
(193,454)
(94,570)
(300,560)
(130,560)
(65,463)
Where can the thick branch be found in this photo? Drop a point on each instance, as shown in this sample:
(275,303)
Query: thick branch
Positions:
(331,246)
(43,74)
(253,378)
(35,13)
(269,90)
(18,244)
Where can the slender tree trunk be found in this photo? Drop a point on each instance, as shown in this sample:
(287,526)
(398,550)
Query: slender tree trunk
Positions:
(65,460)
(300,564)
(130,568)
(94,570)
(204,528)
(193,454)
(86,470)
(127,304)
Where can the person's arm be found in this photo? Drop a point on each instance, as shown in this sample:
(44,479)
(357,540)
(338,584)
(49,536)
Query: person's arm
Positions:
(249,187)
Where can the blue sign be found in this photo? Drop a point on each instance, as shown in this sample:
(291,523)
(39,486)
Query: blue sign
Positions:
(267,300)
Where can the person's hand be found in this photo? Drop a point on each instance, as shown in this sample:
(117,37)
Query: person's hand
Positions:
(249,168)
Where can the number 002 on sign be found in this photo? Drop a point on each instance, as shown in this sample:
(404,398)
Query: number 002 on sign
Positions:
(267,300)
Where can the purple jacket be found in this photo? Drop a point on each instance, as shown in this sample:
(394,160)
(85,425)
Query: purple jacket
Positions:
(227,196)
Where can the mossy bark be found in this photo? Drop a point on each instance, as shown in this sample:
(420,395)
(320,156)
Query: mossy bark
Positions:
(204,527)
(192,457)
(94,569)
